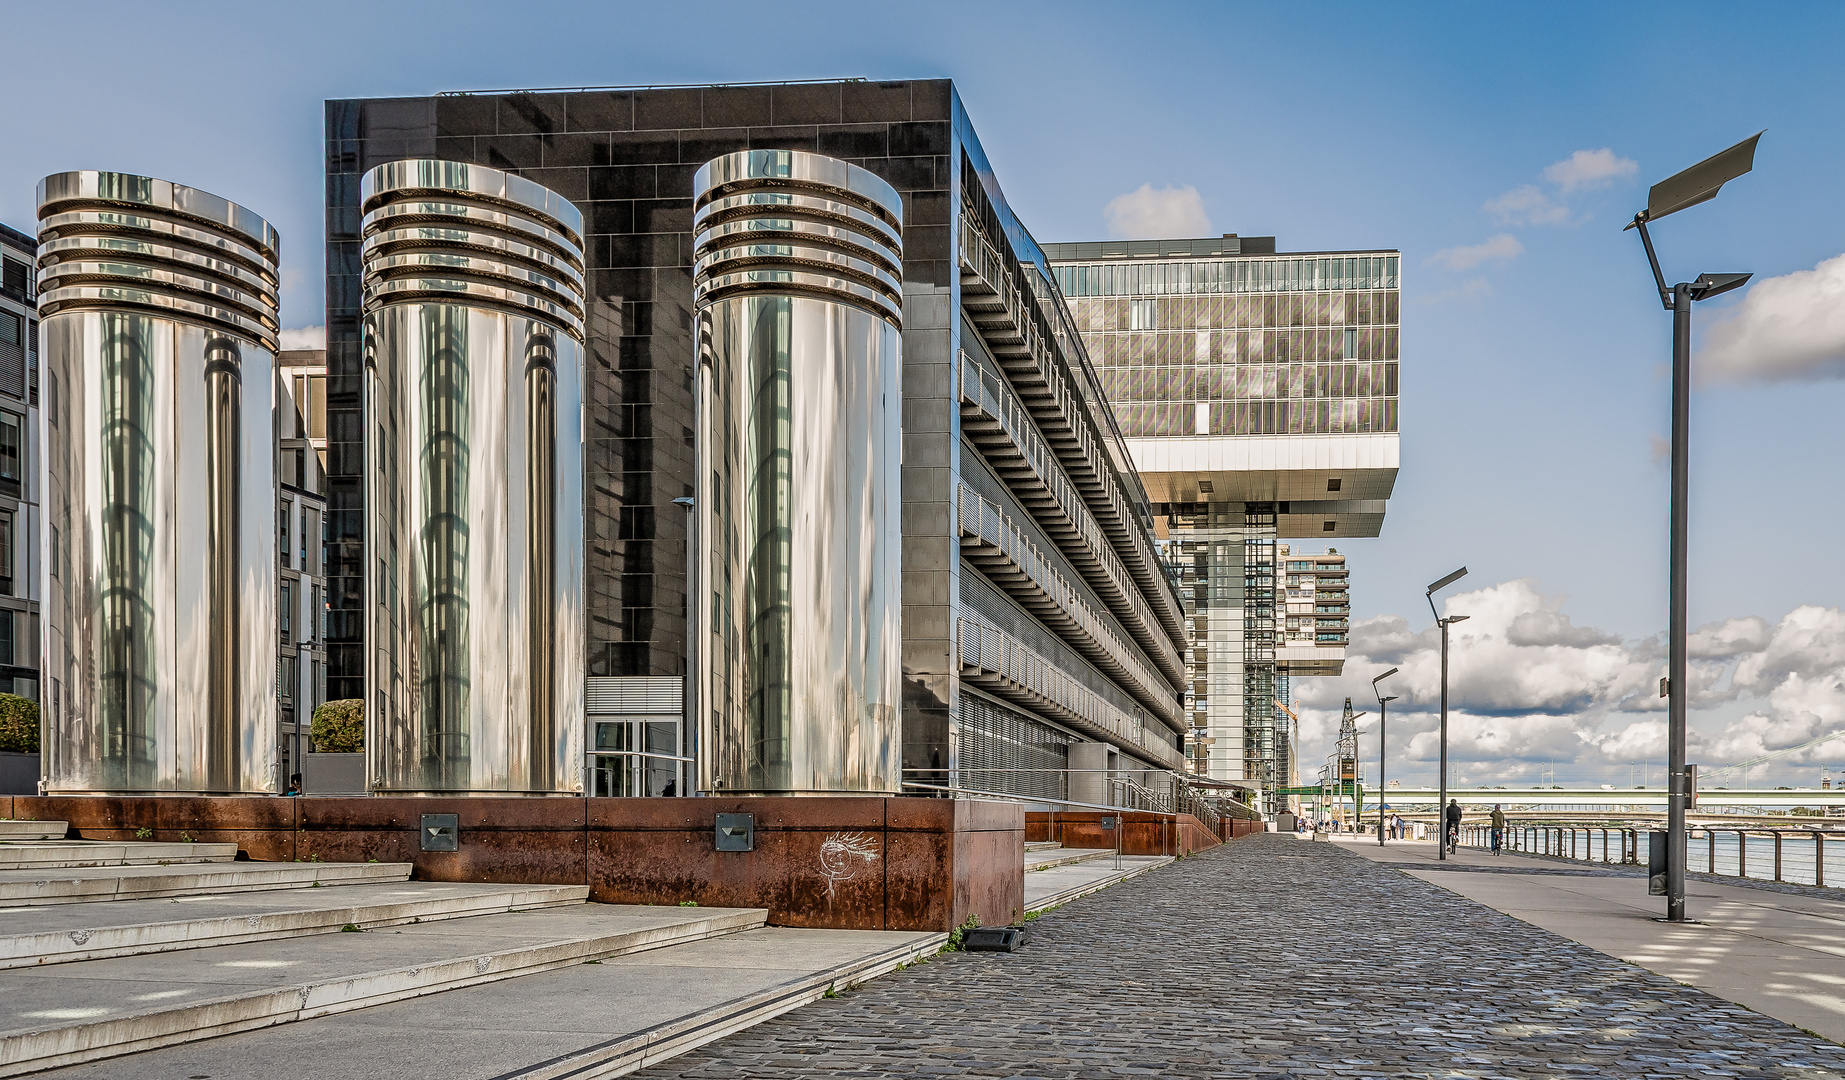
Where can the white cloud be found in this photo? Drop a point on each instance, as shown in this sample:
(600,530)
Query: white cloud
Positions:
(1787,328)
(1494,249)
(1526,204)
(1528,688)
(1590,169)
(305,337)
(1149,213)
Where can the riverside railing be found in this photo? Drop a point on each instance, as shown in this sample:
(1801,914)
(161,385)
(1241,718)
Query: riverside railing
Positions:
(1795,856)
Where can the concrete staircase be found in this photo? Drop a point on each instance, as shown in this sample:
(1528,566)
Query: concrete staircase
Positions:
(197,946)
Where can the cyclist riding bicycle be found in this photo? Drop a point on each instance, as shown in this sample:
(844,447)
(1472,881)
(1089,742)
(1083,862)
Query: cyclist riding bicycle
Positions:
(1498,830)
(1453,818)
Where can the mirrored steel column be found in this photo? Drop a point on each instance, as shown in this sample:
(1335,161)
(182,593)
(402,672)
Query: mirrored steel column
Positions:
(473,307)
(158,332)
(799,297)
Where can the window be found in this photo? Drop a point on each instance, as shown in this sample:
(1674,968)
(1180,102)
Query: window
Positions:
(51,560)
(282,516)
(8,653)
(1143,314)
(285,678)
(15,276)
(9,455)
(12,354)
(6,552)
(286,613)
(307,526)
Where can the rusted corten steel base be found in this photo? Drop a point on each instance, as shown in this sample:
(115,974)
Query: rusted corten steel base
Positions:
(1141,833)
(849,863)
(1236,828)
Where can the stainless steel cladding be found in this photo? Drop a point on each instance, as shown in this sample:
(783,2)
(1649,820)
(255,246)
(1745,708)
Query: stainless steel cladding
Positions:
(158,332)
(798,291)
(473,305)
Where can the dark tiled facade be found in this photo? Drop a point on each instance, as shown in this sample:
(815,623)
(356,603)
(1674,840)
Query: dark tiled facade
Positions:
(627,158)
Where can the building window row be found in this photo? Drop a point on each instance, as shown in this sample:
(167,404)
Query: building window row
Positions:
(1241,275)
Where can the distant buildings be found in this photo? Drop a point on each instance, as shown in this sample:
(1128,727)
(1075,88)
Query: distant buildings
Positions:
(301,514)
(20,521)
(1257,392)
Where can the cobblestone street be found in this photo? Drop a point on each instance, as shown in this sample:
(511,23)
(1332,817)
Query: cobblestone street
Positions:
(1272,957)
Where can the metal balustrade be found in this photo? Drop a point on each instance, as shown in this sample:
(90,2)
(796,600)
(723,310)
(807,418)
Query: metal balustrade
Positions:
(1796,856)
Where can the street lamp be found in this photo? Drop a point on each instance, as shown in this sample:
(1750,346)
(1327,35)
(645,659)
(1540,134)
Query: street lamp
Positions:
(1383,718)
(687,771)
(1441,806)
(1697,184)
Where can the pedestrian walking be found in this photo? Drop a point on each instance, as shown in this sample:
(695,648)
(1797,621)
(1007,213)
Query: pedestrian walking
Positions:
(1498,830)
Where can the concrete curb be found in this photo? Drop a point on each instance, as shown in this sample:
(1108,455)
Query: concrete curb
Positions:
(25,888)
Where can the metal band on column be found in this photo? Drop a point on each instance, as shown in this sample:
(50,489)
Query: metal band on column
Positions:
(798,290)
(158,329)
(474,312)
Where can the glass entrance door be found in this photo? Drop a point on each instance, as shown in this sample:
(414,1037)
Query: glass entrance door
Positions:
(637,757)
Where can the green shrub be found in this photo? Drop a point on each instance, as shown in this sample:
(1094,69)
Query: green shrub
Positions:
(339,726)
(18,724)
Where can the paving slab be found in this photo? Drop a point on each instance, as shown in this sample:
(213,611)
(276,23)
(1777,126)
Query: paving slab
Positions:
(38,854)
(1061,884)
(84,1011)
(1063,856)
(66,933)
(11,829)
(1780,954)
(580,1021)
(26,888)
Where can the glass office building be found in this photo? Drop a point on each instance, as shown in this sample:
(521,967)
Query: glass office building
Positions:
(1040,632)
(1257,391)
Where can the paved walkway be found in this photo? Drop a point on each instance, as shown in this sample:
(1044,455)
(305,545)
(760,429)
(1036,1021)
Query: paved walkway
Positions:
(1273,957)
(1779,952)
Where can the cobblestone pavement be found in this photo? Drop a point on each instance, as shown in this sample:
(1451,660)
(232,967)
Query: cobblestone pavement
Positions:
(1270,958)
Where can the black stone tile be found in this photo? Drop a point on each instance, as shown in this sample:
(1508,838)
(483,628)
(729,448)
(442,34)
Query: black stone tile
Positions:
(635,250)
(874,102)
(698,147)
(572,184)
(342,120)
(926,208)
(931,99)
(918,139)
(530,114)
(786,138)
(621,286)
(655,110)
(904,174)
(856,141)
(643,147)
(925,243)
(457,116)
(622,182)
(817,103)
(607,216)
(662,215)
(511,151)
(736,106)
(599,110)
(675,181)
(456,148)
(575,149)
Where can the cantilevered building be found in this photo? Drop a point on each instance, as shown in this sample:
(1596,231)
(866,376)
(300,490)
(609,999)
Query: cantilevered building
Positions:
(1257,393)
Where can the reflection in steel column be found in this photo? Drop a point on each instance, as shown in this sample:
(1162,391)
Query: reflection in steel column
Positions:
(158,306)
(798,289)
(473,306)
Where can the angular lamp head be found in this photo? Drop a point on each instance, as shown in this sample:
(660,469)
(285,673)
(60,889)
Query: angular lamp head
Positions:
(1449,580)
(1384,676)
(1709,285)
(1700,183)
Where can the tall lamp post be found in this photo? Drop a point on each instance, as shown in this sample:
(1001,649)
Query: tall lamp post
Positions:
(1383,719)
(1441,806)
(1700,183)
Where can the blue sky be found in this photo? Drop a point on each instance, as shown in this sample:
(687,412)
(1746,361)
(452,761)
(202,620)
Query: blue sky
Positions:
(1533,383)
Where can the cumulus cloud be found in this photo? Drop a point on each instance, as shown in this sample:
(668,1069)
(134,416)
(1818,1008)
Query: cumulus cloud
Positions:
(1787,328)
(1584,170)
(1149,213)
(305,337)
(1590,169)
(1527,687)
(1527,204)
(1494,249)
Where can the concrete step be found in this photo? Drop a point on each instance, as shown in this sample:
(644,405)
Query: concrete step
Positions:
(98,1009)
(33,830)
(1065,857)
(26,888)
(37,937)
(596,1020)
(1066,883)
(59,854)
(1042,845)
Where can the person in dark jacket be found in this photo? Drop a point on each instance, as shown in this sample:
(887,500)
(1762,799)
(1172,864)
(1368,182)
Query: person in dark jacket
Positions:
(1452,816)
(1498,830)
